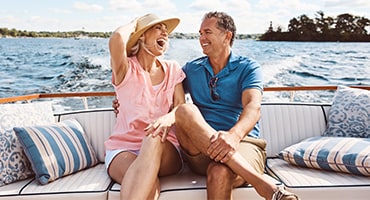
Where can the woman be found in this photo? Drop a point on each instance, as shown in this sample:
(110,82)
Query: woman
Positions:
(143,145)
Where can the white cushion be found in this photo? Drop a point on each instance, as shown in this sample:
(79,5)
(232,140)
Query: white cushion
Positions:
(295,176)
(92,183)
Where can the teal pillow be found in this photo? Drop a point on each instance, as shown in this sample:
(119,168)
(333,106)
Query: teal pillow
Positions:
(56,150)
(349,115)
(341,154)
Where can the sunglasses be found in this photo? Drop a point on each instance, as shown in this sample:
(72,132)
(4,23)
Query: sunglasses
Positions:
(212,83)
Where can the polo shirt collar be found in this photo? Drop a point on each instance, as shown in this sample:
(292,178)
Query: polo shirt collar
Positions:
(230,66)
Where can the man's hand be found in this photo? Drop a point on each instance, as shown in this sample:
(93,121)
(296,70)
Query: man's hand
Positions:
(115,105)
(223,146)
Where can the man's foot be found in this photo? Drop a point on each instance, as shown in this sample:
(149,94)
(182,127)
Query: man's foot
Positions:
(282,194)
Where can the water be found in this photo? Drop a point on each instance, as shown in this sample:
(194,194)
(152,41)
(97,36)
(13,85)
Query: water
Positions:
(51,65)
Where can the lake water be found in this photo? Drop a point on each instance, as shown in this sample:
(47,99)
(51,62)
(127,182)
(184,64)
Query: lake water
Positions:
(51,65)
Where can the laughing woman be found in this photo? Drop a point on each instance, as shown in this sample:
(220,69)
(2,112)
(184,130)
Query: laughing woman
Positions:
(143,145)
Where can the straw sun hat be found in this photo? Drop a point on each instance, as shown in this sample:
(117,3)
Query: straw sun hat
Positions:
(144,23)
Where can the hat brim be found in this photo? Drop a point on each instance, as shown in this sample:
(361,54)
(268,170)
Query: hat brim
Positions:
(171,24)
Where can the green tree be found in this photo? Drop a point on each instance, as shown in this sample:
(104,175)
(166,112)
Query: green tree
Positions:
(345,24)
(361,23)
(344,27)
(323,24)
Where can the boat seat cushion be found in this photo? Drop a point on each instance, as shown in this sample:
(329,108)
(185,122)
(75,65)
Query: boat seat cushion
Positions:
(14,165)
(349,115)
(88,184)
(297,176)
(57,149)
(341,154)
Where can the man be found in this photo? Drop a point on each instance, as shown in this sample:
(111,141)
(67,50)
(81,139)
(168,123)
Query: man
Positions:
(219,132)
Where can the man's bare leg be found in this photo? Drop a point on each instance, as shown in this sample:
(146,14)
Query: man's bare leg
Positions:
(221,180)
(194,135)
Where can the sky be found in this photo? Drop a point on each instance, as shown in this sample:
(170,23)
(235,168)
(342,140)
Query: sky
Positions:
(250,16)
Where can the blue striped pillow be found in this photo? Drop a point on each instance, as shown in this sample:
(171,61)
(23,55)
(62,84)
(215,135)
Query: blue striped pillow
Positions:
(56,150)
(341,154)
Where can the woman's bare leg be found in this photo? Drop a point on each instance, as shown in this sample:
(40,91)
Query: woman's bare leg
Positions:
(139,175)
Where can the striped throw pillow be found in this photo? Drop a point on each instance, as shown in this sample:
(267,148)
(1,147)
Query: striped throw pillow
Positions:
(341,154)
(56,150)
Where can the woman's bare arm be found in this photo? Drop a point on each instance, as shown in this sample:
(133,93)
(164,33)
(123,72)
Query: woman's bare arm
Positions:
(117,49)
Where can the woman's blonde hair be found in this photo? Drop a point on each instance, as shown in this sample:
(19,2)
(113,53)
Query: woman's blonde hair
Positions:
(135,49)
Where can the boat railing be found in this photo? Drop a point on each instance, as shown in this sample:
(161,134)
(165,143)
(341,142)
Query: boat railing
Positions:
(84,95)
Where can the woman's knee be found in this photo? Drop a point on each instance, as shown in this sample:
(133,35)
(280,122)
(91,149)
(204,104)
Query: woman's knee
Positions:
(152,145)
(151,141)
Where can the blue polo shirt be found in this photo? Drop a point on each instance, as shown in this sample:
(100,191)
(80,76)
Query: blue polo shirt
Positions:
(239,74)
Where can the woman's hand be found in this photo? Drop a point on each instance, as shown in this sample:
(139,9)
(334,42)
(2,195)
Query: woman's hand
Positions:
(160,127)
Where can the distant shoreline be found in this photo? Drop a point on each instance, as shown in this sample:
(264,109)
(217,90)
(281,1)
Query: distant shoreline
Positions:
(271,36)
(82,34)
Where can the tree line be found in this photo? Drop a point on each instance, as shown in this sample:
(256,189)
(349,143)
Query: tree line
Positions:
(343,28)
(5,32)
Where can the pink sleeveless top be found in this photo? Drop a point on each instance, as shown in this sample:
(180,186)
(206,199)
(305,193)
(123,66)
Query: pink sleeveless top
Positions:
(140,104)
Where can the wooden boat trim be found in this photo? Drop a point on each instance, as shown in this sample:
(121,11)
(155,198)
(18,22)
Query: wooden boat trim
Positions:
(101,94)
(54,95)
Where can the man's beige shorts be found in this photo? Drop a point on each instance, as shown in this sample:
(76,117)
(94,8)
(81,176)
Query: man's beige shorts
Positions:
(252,149)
